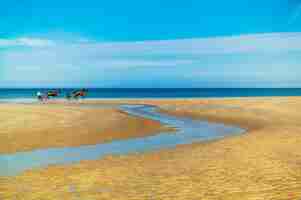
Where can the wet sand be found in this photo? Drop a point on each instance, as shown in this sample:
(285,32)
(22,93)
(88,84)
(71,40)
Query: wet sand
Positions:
(264,163)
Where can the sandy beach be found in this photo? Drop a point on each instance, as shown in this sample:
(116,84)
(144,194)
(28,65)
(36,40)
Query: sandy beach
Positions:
(36,126)
(262,164)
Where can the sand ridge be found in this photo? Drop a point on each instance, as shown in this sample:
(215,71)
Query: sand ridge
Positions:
(39,126)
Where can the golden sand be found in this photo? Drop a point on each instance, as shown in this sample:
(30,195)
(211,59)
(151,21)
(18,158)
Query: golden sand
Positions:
(263,164)
(28,127)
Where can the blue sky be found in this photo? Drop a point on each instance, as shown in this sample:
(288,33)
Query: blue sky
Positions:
(158,43)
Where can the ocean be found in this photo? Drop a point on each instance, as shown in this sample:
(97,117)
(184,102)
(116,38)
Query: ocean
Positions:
(19,94)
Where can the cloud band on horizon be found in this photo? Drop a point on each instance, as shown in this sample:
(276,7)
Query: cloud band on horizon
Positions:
(31,60)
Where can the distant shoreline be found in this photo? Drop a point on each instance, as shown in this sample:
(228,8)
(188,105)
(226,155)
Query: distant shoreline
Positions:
(155,93)
(101,99)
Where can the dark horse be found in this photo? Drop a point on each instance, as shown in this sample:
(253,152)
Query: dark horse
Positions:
(77,94)
(53,93)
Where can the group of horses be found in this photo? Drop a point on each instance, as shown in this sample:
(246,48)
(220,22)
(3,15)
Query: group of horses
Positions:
(76,94)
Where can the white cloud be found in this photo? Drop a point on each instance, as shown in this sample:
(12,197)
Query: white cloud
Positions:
(26,42)
(253,43)
(215,45)
(85,60)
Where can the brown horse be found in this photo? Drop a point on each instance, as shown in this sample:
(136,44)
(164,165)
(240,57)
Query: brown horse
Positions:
(79,93)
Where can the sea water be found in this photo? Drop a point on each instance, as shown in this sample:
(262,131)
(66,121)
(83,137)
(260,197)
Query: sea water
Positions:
(30,93)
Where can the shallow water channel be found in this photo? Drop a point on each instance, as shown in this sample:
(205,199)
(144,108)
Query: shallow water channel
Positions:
(188,131)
